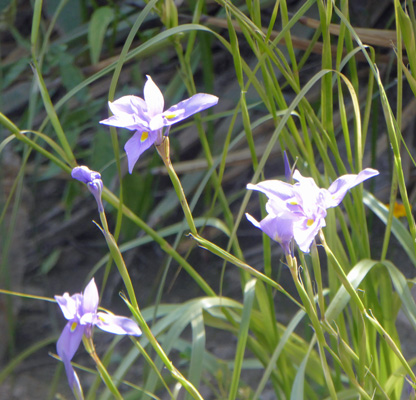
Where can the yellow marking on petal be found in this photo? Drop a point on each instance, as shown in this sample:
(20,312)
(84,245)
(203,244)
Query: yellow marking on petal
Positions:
(293,203)
(310,222)
(170,116)
(101,318)
(74,326)
(145,136)
(276,238)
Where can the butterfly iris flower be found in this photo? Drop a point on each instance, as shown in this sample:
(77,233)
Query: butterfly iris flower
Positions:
(81,312)
(298,211)
(146,118)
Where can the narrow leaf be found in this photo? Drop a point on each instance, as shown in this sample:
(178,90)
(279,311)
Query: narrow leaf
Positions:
(100,20)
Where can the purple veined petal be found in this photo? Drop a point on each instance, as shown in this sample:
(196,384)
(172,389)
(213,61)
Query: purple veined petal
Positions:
(76,386)
(117,325)
(339,188)
(308,194)
(68,305)
(289,209)
(153,97)
(84,174)
(278,229)
(139,107)
(128,121)
(88,318)
(70,339)
(185,109)
(137,144)
(90,298)
(157,122)
(127,105)
(73,379)
(274,189)
(305,230)
(305,187)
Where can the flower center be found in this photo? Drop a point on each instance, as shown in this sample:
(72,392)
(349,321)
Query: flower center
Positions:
(309,222)
(74,326)
(145,136)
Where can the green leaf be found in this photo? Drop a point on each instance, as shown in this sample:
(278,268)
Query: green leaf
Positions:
(399,230)
(100,20)
(299,382)
(249,292)
(408,37)
(50,262)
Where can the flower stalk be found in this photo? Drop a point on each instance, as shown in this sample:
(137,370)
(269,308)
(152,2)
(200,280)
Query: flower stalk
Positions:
(311,311)
(341,274)
(189,387)
(105,376)
(121,266)
(146,118)
(164,151)
(81,311)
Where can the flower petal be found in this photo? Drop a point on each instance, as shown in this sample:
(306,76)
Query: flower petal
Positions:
(84,174)
(137,144)
(69,340)
(153,97)
(90,298)
(340,186)
(127,121)
(184,109)
(128,105)
(68,305)
(278,229)
(117,325)
(72,376)
(305,233)
(274,189)
(130,112)
(76,385)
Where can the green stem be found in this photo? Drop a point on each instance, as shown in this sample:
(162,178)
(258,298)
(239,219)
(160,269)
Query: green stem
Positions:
(226,256)
(164,151)
(316,265)
(311,311)
(89,346)
(103,220)
(118,259)
(341,274)
(9,125)
(165,246)
(190,388)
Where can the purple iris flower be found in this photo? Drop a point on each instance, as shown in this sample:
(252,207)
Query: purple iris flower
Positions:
(298,211)
(93,181)
(148,120)
(81,312)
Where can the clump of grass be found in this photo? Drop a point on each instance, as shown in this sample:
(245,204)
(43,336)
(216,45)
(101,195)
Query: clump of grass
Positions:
(306,80)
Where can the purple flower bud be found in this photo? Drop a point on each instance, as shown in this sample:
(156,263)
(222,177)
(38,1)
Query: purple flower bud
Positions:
(93,181)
